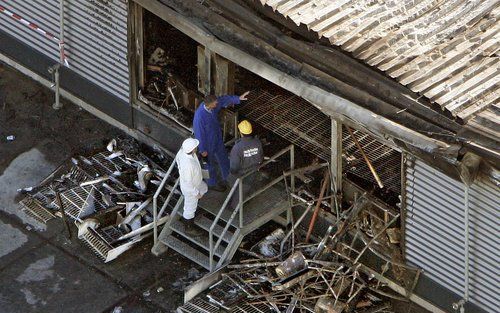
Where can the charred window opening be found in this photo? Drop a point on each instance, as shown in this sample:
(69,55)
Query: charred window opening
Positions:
(169,70)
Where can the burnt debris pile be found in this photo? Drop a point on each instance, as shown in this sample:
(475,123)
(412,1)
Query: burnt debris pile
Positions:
(108,195)
(355,267)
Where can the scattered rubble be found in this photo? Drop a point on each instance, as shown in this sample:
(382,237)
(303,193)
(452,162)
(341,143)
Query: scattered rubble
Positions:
(350,269)
(108,195)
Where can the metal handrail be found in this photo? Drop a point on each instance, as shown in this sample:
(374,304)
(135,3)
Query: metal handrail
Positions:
(216,220)
(276,180)
(155,201)
(169,197)
(239,207)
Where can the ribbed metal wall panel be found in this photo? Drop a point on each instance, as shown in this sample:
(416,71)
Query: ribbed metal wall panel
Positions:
(435,232)
(95,34)
(96,42)
(44,13)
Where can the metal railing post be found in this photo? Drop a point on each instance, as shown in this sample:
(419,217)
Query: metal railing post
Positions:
(467,244)
(57,103)
(292,167)
(155,201)
(211,244)
(240,202)
(216,220)
(155,220)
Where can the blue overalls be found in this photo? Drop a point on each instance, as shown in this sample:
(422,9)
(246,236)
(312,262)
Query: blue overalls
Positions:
(207,130)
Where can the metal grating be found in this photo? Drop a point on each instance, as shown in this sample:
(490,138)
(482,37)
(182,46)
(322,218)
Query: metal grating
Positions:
(203,304)
(110,233)
(435,239)
(96,244)
(385,160)
(301,123)
(33,208)
(79,202)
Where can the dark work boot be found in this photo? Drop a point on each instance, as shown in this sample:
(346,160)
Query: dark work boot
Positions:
(219,188)
(191,229)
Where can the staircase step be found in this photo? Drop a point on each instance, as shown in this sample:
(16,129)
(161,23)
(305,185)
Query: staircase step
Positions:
(206,222)
(187,251)
(202,241)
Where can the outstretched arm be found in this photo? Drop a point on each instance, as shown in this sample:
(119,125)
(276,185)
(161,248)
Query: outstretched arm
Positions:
(225,101)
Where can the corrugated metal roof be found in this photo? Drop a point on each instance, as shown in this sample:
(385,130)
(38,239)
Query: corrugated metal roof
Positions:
(447,50)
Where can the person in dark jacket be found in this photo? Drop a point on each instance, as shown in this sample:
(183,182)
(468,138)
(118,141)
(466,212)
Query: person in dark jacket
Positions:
(246,157)
(207,130)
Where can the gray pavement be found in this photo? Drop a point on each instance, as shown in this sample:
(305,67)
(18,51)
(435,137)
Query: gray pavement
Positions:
(40,269)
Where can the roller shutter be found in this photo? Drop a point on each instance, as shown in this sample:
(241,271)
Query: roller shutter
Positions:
(95,37)
(435,232)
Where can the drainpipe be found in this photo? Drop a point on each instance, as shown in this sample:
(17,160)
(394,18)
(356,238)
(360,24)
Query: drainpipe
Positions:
(459,306)
(55,69)
(466,200)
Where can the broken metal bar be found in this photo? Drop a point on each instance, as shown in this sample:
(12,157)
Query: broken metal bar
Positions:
(326,180)
(135,212)
(309,168)
(63,215)
(253,265)
(370,166)
(95,181)
(294,227)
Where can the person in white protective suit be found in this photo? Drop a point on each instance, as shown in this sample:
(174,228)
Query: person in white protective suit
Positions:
(191,181)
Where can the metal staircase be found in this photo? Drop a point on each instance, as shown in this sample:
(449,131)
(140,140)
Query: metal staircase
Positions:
(224,227)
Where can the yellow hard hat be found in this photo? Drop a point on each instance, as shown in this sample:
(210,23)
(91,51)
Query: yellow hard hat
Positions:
(245,127)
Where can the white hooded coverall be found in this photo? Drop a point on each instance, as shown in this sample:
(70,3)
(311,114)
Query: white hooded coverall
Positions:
(191,182)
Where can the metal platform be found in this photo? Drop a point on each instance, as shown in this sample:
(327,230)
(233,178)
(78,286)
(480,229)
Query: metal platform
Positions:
(225,226)
(271,202)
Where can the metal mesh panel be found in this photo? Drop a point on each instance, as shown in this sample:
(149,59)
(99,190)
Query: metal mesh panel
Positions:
(301,123)
(82,201)
(33,208)
(96,244)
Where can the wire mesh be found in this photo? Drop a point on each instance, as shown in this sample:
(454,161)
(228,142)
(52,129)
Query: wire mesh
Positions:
(304,125)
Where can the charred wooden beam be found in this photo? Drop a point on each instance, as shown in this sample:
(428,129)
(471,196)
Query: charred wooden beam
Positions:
(235,35)
(345,111)
(331,61)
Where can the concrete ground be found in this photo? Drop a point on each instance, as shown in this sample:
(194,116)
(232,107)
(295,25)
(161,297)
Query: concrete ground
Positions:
(40,269)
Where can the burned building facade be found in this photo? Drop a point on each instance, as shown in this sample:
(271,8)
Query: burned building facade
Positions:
(409,118)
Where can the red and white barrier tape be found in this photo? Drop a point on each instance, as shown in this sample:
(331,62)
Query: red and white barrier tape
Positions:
(35,27)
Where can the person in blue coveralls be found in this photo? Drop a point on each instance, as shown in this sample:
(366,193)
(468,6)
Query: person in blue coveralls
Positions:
(207,130)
